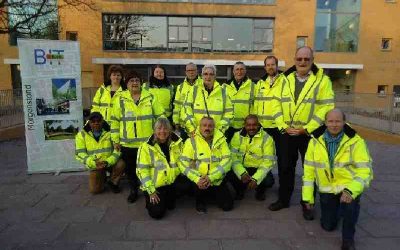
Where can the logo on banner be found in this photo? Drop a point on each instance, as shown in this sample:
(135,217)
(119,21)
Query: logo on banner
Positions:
(48,57)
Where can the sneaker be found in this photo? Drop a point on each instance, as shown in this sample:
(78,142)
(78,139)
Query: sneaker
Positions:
(114,188)
(133,195)
(278,205)
(260,196)
(348,245)
(201,207)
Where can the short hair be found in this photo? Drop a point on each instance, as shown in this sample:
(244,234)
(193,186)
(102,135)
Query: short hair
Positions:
(208,118)
(307,47)
(162,122)
(133,74)
(271,57)
(115,69)
(251,116)
(239,63)
(192,64)
(336,110)
(209,66)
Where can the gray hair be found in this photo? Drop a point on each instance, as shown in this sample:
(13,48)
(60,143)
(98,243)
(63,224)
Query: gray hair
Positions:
(209,66)
(163,122)
(337,110)
(191,64)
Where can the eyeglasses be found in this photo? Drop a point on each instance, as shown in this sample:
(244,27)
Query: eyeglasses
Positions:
(305,59)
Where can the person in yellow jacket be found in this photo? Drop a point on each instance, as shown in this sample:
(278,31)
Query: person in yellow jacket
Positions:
(253,157)
(338,162)
(305,98)
(94,148)
(192,79)
(160,87)
(208,99)
(206,159)
(108,92)
(134,113)
(241,89)
(157,168)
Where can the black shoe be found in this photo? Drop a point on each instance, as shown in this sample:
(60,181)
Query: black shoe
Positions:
(133,195)
(201,207)
(239,195)
(171,205)
(308,214)
(278,205)
(114,188)
(348,245)
(260,196)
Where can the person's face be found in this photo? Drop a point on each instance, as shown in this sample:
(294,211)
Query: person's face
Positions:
(251,126)
(159,73)
(95,124)
(191,71)
(208,77)
(303,61)
(207,128)
(162,133)
(334,122)
(134,84)
(270,67)
(116,77)
(239,71)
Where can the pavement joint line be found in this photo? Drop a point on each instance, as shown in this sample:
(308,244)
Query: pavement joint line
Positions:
(44,196)
(67,225)
(50,214)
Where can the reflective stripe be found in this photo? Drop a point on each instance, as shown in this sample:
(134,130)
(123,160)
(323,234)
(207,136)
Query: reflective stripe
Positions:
(184,158)
(342,164)
(310,100)
(173,165)
(102,150)
(114,130)
(363,164)
(137,118)
(114,118)
(326,101)
(234,150)
(143,165)
(144,180)
(228,110)
(238,119)
(221,169)
(193,142)
(133,140)
(277,115)
(78,151)
(115,155)
(202,111)
(308,183)
(285,99)
(124,131)
(296,123)
(316,118)
(85,159)
(241,101)
(360,180)
(315,164)
(102,104)
(312,108)
(176,102)
(267,98)
(95,104)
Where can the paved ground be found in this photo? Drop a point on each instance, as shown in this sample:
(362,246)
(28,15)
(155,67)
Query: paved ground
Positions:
(57,212)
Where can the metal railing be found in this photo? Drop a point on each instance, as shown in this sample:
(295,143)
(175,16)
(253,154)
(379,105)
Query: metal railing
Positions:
(377,111)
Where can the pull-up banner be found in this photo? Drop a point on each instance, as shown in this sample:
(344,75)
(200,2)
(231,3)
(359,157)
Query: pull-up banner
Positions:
(52,96)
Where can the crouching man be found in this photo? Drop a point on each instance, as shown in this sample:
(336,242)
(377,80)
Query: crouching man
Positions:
(95,149)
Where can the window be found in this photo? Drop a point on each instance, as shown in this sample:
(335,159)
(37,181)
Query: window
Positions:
(386,44)
(390,1)
(382,89)
(16,76)
(71,36)
(187,34)
(337,25)
(301,41)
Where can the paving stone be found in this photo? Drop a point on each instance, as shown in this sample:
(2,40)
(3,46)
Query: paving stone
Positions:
(3,225)
(271,244)
(144,230)
(125,214)
(378,243)
(313,244)
(46,178)
(386,186)
(120,245)
(384,197)
(78,179)
(386,177)
(186,244)
(52,188)
(64,200)
(77,214)
(383,211)
(381,227)
(20,201)
(275,229)
(22,215)
(92,231)
(51,246)
(10,172)
(12,179)
(217,229)
(243,210)
(32,233)
(13,189)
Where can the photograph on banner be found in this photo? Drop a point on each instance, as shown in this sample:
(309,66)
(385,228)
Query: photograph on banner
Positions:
(52,107)
(64,88)
(60,129)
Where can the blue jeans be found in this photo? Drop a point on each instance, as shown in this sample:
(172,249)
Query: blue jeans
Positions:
(331,211)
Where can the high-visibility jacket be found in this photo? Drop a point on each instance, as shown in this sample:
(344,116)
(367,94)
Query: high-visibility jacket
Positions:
(153,169)
(314,101)
(242,101)
(217,105)
(102,101)
(200,159)
(164,95)
(131,123)
(88,150)
(180,96)
(266,99)
(351,170)
(257,152)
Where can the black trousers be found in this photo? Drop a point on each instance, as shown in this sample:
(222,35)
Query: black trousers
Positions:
(129,156)
(290,147)
(276,136)
(222,195)
(241,187)
(167,201)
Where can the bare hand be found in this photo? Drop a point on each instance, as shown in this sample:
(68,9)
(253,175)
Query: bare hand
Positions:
(154,199)
(295,131)
(252,184)
(100,164)
(309,206)
(204,182)
(245,178)
(117,147)
(346,197)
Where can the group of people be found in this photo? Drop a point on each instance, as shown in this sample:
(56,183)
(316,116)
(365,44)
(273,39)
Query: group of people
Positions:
(207,134)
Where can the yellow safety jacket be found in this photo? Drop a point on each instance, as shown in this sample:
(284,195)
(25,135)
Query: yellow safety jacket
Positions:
(242,101)
(217,105)
(88,150)
(131,123)
(266,99)
(153,169)
(352,168)
(180,96)
(102,101)
(164,95)
(257,152)
(314,101)
(200,159)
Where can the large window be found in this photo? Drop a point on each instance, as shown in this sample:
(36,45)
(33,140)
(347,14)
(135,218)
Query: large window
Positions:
(337,25)
(187,34)
(215,1)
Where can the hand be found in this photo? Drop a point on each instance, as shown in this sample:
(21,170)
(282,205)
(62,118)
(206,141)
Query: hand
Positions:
(252,184)
(192,133)
(245,178)
(100,164)
(154,199)
(117,147)
(309,206)
(204,182)
(296,131)
(291,131)
(346,197)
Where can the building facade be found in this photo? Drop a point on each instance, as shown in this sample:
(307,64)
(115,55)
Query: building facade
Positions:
(355,41)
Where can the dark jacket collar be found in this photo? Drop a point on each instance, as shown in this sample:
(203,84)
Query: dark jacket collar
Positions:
(292,69)
(105,127)
(172,138)
(264,77)
(349,131)
(233,80)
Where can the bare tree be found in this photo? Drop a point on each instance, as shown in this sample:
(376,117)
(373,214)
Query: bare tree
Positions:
(28,17)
